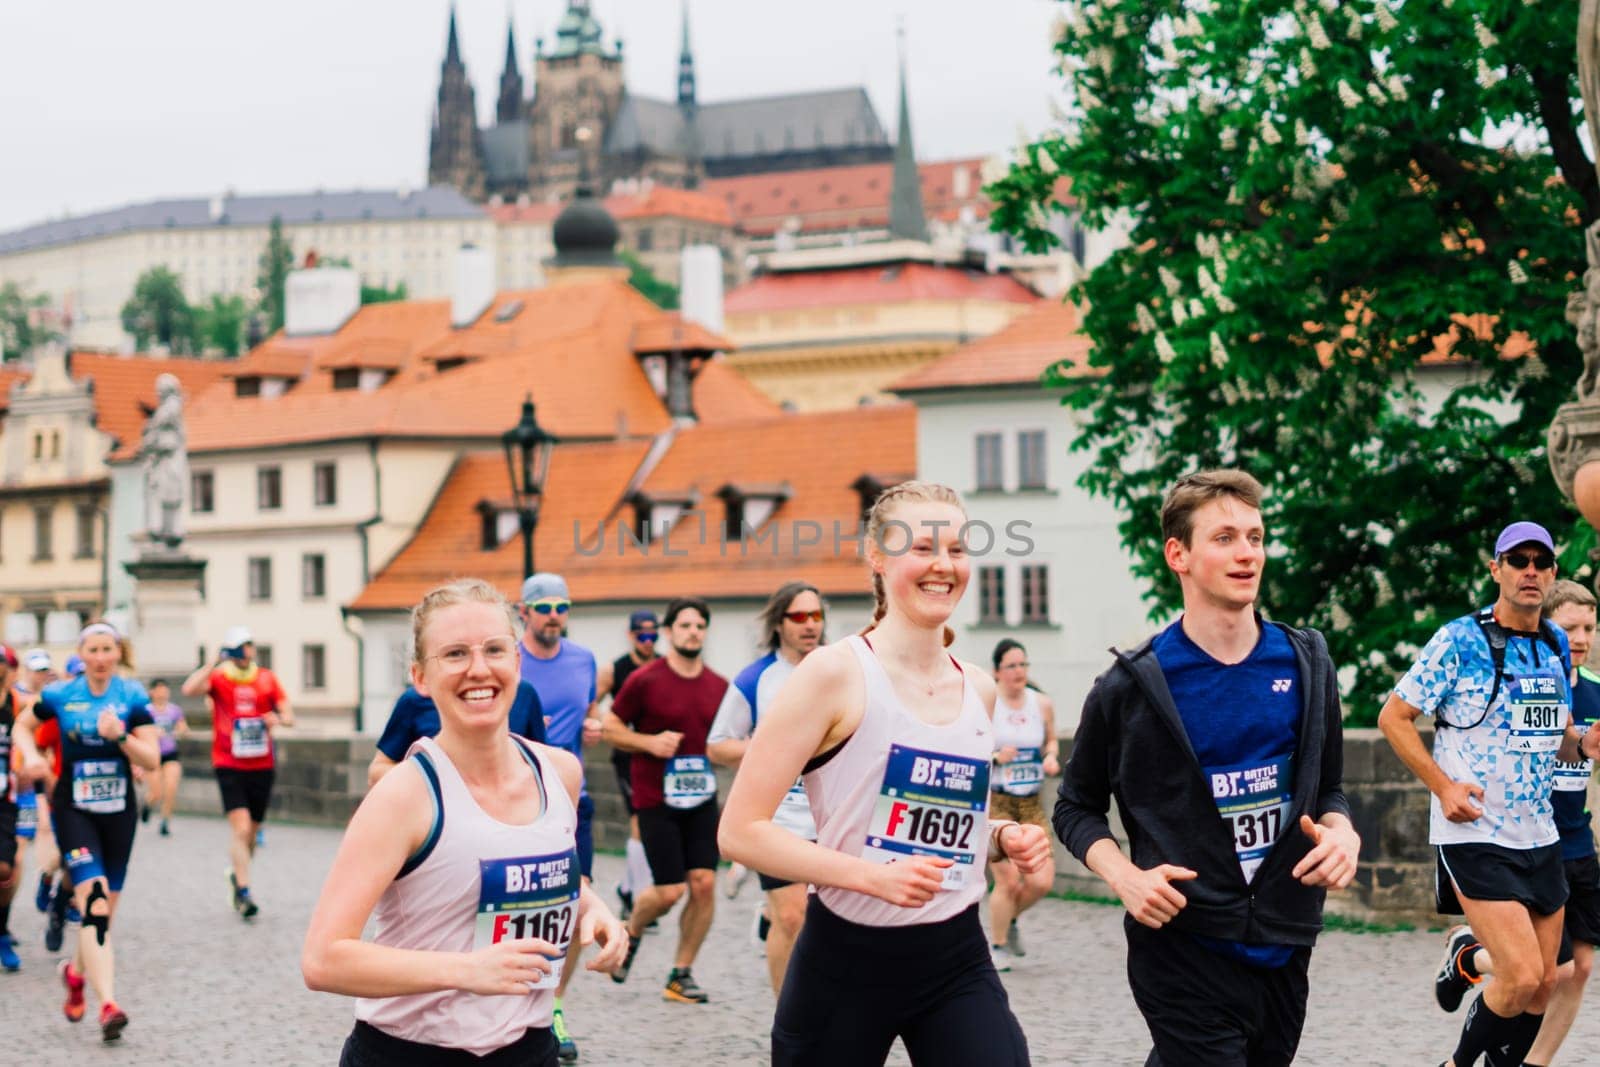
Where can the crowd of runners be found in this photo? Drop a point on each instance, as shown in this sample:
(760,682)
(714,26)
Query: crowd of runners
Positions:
(881,788)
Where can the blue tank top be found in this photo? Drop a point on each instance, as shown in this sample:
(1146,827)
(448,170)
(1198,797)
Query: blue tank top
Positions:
(95,774)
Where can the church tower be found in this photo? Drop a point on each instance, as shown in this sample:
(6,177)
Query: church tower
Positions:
(578,88)
(510,107)
(455,154)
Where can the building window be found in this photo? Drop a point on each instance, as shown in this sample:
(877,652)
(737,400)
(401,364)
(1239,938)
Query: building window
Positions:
(42,519)
(55,444)
(313,667)
(38,446)
(269,488)
(645,240)
(1035,593)
(347,378)
(1030,459)
(264,656)
(202,492)
(992,595)
(991,465)
(85,532)
(247,387)
(260,577)
(313,576)
(325,484)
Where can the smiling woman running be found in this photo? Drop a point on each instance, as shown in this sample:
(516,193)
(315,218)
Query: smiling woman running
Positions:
(894,738)
(469,860)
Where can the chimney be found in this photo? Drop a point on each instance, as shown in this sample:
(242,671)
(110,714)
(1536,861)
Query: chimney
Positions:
(320,301)
(701,278)
(474,285)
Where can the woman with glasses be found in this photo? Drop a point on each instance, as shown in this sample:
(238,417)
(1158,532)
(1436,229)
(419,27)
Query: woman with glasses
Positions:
(466,856)
(1025,753)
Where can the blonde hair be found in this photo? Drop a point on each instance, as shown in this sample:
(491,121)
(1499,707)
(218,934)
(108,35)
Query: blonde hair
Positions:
(460,591)
(878,518)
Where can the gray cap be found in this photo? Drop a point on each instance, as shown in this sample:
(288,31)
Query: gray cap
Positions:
(544,586)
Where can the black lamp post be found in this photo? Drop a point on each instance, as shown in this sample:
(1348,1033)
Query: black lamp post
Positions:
(527,446)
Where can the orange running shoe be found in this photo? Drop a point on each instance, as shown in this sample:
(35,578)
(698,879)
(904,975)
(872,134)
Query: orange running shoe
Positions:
(112,1020)
(73,1008)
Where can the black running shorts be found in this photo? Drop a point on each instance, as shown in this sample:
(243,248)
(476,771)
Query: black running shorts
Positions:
(677,841)
(1583,900)
(245,789)
(1533,877)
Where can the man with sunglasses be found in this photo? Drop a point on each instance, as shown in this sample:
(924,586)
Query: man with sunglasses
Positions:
(562,673)
(791,628)
(642,636)
(1497,684)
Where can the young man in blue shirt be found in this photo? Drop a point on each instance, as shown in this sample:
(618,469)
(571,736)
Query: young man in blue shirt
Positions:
(1221,740)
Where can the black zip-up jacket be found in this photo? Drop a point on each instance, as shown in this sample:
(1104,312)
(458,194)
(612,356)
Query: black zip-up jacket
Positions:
(1131,744)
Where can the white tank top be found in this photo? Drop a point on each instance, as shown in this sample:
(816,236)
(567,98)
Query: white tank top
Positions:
(899,787)
(475,882)
(1022,729)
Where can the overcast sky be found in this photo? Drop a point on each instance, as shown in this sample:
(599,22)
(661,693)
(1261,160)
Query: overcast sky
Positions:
(104,102)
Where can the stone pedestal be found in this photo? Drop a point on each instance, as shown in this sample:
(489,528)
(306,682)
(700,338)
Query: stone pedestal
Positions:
(166,607)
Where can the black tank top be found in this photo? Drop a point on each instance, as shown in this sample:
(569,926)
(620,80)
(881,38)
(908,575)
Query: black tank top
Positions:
(621,667)
(8,723)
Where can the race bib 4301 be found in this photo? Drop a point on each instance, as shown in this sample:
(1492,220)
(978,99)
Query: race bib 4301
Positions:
(529,896)
(1537,704)
(1253,799)
(932,804)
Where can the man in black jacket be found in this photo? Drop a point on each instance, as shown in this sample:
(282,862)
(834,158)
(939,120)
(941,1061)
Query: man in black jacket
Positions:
(1221,740)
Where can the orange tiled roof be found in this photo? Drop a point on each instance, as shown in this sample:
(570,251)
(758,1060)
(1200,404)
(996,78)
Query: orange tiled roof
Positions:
(587,483)
(673,332)
(657,202)
(1018,354)
(125,390)
(898,283)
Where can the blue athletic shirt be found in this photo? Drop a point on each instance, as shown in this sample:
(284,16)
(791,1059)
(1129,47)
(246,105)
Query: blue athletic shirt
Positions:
(415,716)
(1572,779)
(565,684)
(1243,722)
(84,753)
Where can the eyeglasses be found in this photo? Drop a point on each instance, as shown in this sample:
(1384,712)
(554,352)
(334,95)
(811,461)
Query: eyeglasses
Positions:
(1542,561)
(647,636)
(550,607)
(803,616)
(1013,666)
(497,651)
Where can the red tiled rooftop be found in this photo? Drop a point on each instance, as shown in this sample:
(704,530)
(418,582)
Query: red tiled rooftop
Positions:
(1017,354)
(898,283)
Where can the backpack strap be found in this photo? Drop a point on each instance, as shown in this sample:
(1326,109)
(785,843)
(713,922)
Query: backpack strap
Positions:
(1495,635)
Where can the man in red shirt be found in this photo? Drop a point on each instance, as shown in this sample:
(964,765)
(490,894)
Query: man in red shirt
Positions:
(662,716)
(247,704)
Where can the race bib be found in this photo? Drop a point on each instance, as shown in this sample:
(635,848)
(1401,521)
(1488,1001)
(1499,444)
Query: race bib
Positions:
(795,801)
(1537,704)
(1023,776)
(99,786)
(27,814)
(688,782)
(529,896)
(932,804)
(250,738)
(1254,800)
(1573,777)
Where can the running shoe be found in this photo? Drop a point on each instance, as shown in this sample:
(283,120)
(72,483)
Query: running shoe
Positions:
(1014,941)
(1000,957)
(8,954)
(627,903)
(112,1021)
(261,838)
(164,831)
(70,978)
(245,904)
(567,1052)
(760,926)
(55,925)
(1451,983)
(734,880)
(621,974)
(144,813)
(681,987)
(42,895)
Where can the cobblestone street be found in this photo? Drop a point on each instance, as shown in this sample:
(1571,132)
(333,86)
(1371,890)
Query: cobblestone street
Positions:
(202,988)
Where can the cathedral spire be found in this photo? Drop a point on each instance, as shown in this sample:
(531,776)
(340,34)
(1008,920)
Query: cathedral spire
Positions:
(906,218)
(452,47)
(686,97)
(510,105)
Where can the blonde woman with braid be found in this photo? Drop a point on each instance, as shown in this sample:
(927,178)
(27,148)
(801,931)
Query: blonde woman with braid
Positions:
(893,737)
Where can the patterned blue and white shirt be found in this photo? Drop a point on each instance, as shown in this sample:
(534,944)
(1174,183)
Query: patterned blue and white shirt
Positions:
(1514,762)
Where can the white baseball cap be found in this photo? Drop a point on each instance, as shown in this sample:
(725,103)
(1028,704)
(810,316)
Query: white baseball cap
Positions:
(37,659)
(236,637)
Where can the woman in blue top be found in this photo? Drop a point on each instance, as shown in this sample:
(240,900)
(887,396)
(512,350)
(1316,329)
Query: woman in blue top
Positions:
(105,728)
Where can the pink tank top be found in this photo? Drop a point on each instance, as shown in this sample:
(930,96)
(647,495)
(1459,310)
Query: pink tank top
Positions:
(900,787)
(475,882)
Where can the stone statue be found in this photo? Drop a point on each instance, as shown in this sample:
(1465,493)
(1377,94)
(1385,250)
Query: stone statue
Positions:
(164,454)
(1583,306)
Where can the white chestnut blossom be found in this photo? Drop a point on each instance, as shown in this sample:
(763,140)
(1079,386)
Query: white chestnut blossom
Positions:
(1348,96)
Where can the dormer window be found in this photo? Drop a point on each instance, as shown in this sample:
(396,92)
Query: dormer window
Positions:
(365,379)
(498,524)
(247,386)
(748,507)
(347,377)
(654,516)
(260,385)
(869,487)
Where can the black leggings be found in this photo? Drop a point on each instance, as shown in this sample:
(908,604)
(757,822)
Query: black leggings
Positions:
(367,1046)
(851,990)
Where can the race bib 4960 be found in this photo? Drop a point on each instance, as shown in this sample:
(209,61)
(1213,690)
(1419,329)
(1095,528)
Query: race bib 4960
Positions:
(529,896)
(688,782)
(931,804)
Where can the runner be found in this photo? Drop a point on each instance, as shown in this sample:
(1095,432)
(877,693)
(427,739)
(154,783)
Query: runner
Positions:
(455,977)
(1026,752)
(563,673)
(1221,740)
(662,716)
(1497,684)
(609,681)
(105,729)
(414,716)
(247,704)
(894,739)
(10,842)
(791,625)
(162,789)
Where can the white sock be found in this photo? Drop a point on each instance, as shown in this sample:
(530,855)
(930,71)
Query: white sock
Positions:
(638,871)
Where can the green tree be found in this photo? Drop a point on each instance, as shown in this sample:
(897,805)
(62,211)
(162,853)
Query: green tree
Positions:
(1320,192)
(272,276)
(643,279)
(20,328)
(378,294)
(220,322)
(158,313)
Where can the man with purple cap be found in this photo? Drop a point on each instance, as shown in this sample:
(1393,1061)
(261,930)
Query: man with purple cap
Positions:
(1497,683)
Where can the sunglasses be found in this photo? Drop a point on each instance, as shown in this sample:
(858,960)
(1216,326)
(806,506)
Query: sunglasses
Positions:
(647,636)
(1542,561)
(550,607)
(803,616)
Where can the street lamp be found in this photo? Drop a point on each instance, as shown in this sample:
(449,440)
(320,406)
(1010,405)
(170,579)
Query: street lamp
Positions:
(527,446)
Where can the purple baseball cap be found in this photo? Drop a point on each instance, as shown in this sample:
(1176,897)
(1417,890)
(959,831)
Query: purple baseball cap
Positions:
(1522,533)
